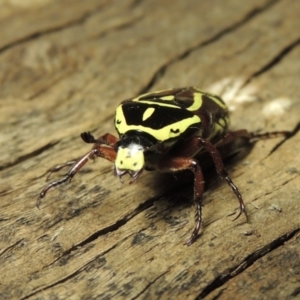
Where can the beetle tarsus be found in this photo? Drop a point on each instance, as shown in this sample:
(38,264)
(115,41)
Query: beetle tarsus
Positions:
(198,226)
(88,138)
(67,177)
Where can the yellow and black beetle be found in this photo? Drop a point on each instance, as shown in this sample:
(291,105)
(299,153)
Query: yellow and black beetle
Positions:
(166,131)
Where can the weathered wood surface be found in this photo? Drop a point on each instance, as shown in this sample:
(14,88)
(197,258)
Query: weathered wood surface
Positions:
(65,65)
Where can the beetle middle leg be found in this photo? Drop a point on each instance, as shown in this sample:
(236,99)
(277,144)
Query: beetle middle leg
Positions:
(174,164)
(190,146)
(221,171)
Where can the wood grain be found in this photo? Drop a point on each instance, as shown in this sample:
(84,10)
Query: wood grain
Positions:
(65,66)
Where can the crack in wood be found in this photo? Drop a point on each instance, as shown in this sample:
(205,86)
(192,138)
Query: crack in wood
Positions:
(62,280)
(136,3)
(247,262)
(38,34)
(274,61)
(81,20)
(296,292)
(292,134)
(27,156)
(76,272)
(149,285)
(11,247)
(50,85)
(249,16)
(142,207)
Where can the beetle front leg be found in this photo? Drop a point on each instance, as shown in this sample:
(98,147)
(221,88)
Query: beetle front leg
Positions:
(99,150)
(107,139)
(174,164)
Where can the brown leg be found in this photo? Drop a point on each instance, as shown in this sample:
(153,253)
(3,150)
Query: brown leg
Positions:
(100,149)
(107,139)
(251,136)
(191,146)
(173,164)
(57,168)
(221,171)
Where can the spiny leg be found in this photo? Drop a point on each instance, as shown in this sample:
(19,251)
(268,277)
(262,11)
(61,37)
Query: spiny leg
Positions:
(221,171)
(57,168)
(252,136)
(173,164)
(197,142)
(190,147)
(99,150)
(107,139)
(80,163)
(198,194)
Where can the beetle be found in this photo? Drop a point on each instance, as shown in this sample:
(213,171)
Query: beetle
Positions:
(166,131)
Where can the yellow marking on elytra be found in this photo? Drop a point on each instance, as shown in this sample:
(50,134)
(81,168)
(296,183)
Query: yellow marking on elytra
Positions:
(146,95)
(217,100)
(160,104)
(223,122)
(167,98)
(219,126)
(217,129)
(162,134)
(197,98)
(148,113)
(212,97)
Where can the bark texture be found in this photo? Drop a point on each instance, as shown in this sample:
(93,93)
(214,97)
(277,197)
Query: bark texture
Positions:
(65,66)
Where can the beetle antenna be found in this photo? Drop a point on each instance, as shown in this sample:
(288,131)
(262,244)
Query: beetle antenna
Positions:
(88,137)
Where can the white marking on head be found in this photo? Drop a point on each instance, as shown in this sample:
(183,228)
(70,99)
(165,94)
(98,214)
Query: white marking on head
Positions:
(130,158)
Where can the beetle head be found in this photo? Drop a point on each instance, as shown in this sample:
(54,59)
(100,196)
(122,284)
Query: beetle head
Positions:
(130,160)
(130,153)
